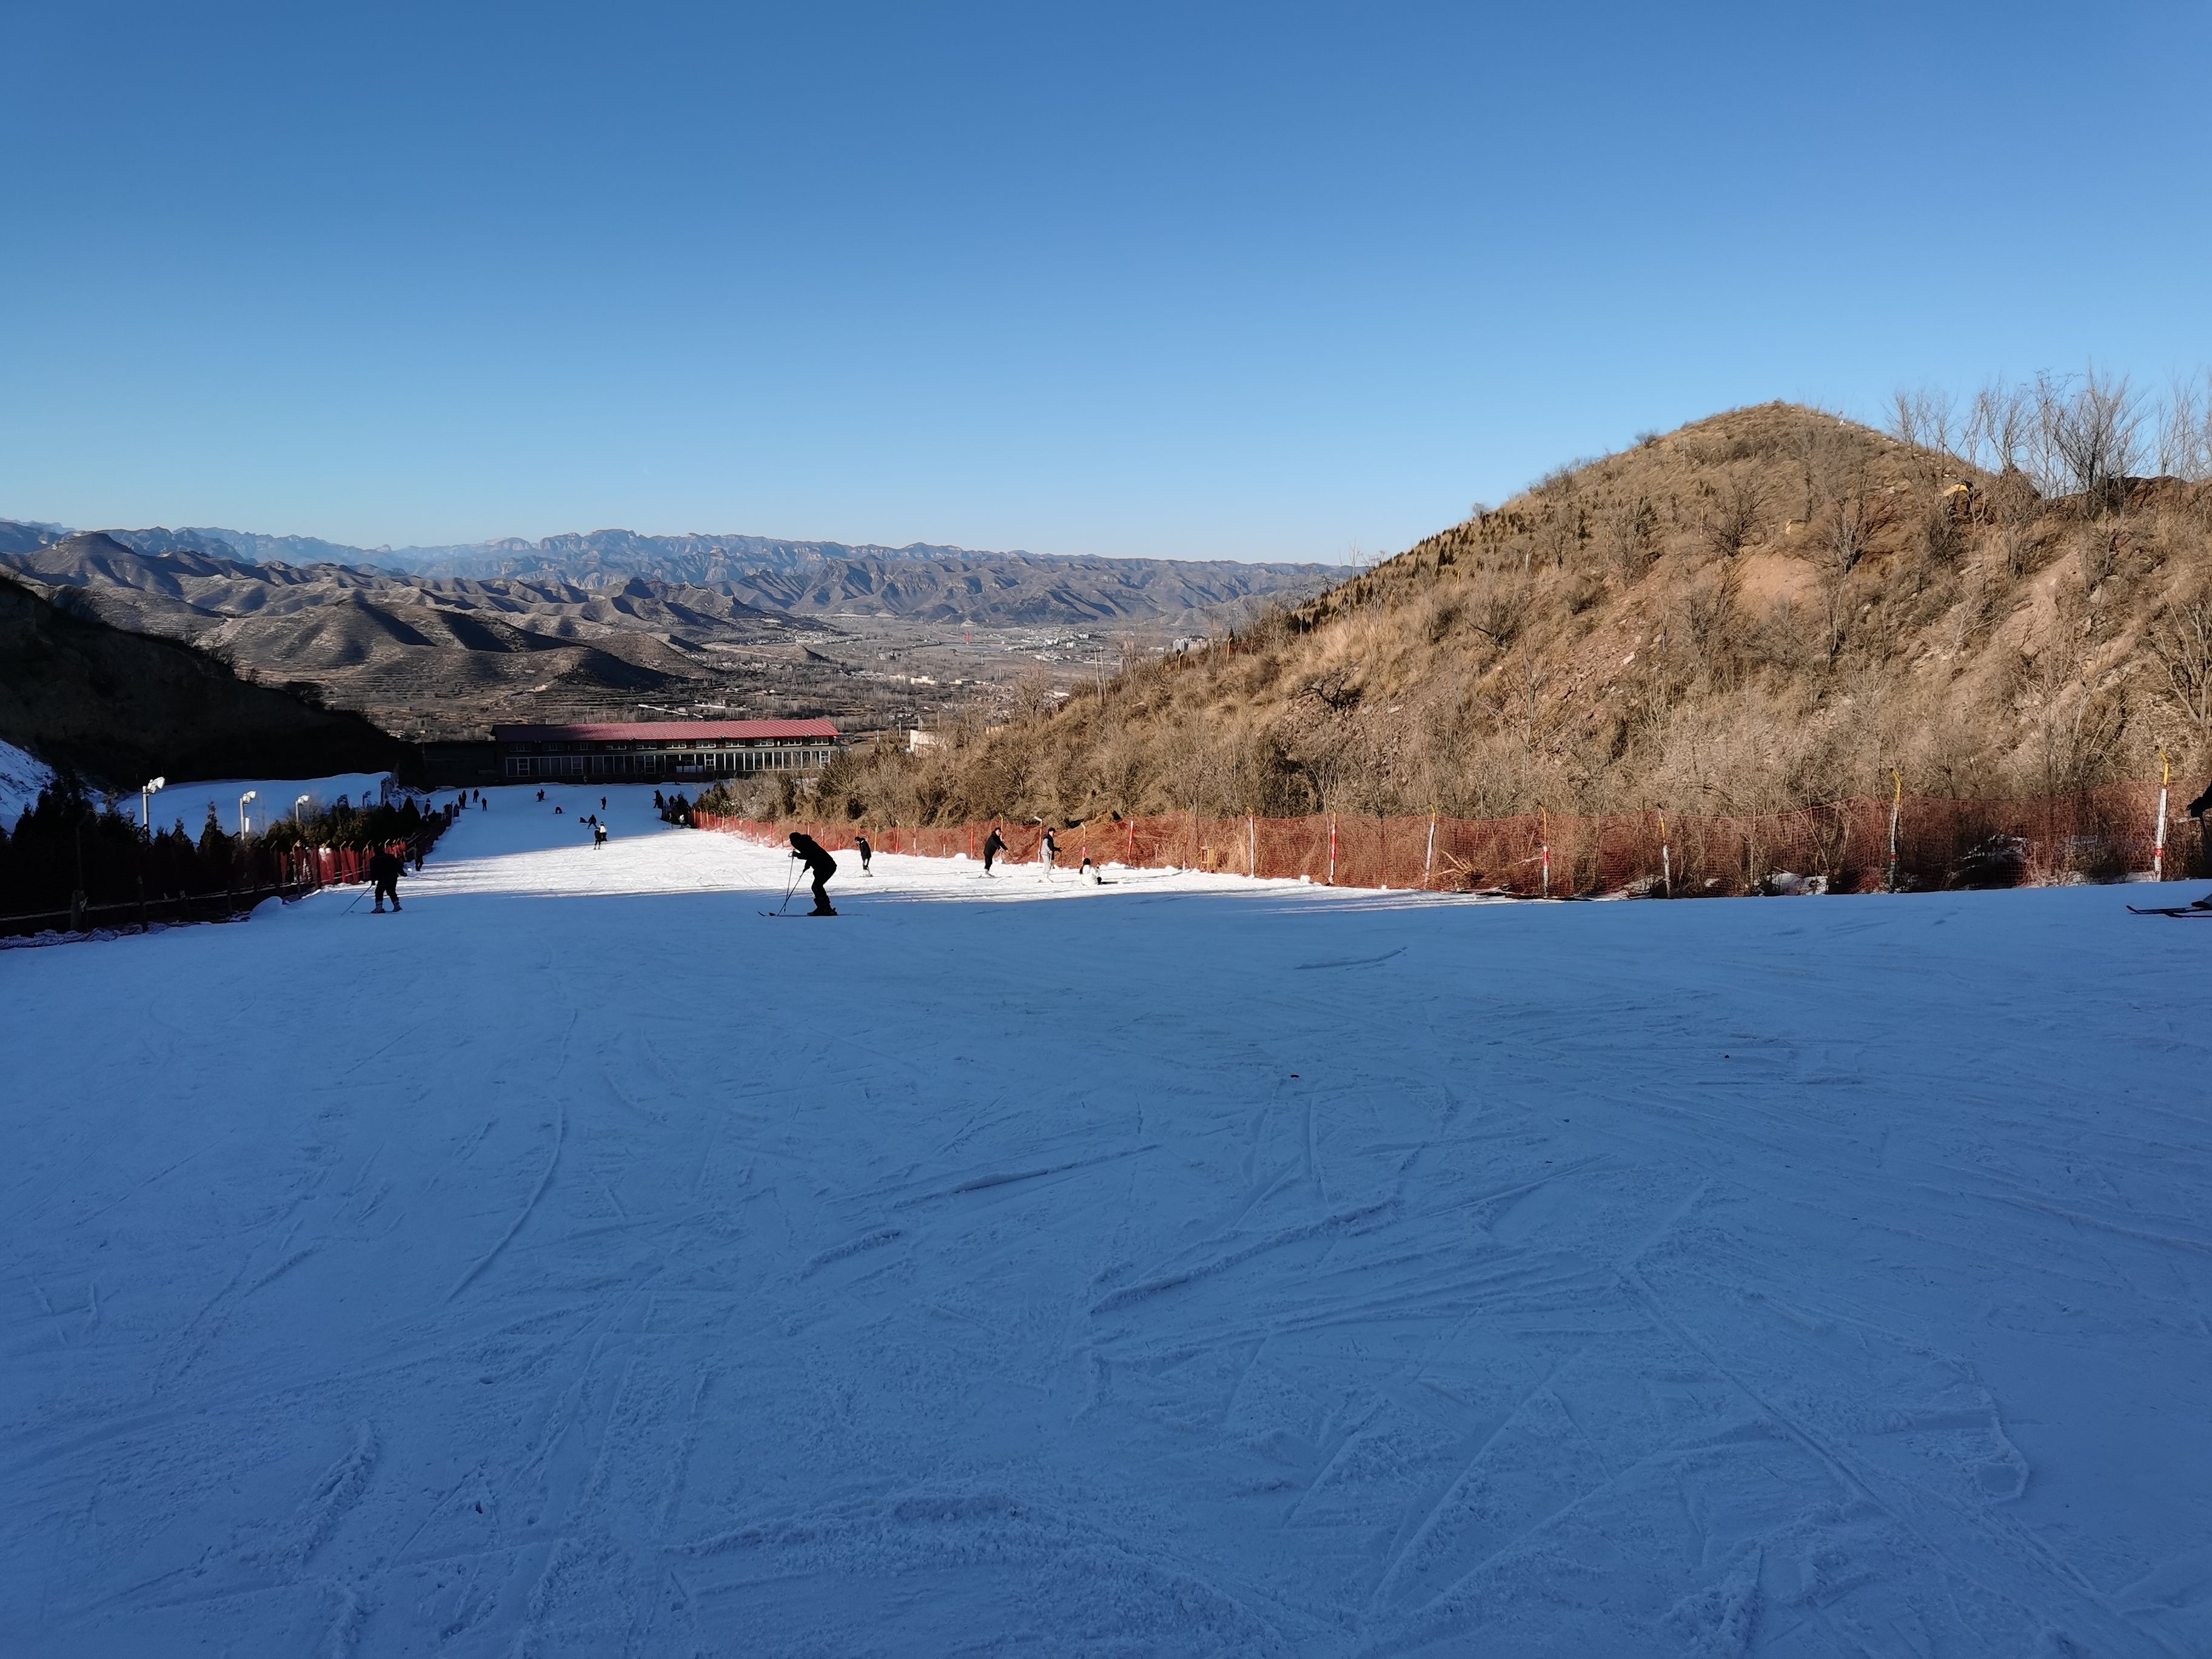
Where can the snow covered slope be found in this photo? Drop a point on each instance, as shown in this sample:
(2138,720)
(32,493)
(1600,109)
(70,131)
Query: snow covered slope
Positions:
(22,775)
(578,1263)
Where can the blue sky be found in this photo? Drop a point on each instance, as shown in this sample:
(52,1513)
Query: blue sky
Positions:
(1265,281)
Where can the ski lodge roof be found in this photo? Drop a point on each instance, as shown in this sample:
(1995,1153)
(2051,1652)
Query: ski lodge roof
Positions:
(670,732)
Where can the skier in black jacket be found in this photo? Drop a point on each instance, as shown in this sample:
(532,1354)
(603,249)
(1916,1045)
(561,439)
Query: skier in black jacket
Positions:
(993,844)
(866,852)
(385,869)
(819,865)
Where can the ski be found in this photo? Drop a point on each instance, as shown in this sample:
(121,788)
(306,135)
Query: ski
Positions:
(2170,910)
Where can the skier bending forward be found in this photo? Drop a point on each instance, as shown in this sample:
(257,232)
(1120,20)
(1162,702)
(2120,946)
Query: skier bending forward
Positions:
(820,866)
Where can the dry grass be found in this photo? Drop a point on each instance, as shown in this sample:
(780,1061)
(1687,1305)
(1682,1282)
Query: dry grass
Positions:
(1767,609)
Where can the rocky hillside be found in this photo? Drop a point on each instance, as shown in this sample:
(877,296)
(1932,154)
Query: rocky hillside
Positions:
(1762,609)
(116,706)
(428,657)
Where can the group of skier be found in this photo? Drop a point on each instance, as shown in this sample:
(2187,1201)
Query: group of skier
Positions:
(820,867)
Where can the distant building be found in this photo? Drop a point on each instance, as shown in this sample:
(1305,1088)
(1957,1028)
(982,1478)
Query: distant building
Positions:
(655,752)
(918,739)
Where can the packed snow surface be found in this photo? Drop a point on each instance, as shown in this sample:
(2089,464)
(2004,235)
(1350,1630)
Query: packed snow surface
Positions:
(578,1263)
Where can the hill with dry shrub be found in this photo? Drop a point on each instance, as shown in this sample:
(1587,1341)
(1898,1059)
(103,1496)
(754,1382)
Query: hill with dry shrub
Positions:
(1770,608)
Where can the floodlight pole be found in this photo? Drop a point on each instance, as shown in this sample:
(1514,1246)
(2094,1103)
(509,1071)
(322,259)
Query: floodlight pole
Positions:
(250,794)
(147,791)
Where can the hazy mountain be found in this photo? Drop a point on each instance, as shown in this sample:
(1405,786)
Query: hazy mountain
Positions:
(920,582)
(413,650)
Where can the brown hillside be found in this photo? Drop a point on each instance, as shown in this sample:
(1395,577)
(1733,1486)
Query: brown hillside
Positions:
(1768,608)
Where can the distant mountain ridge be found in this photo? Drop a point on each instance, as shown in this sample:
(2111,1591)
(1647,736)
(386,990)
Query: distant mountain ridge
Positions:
(920,582)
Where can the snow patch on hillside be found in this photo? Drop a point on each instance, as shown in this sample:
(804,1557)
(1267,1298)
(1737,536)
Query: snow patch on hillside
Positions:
(22,775)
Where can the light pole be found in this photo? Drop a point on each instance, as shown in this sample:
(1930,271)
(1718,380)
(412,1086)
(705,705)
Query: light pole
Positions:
(250,794)
(147,791)
(297,805)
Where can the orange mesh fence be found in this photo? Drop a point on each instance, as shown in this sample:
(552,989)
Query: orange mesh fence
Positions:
(2097,834)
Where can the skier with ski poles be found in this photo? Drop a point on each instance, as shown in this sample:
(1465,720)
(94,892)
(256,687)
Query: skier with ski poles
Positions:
(993,844)
(861,846)
(385,869)
(1047,852)
(819,865)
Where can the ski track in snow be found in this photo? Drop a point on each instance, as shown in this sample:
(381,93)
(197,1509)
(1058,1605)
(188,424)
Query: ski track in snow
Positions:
(574,1264)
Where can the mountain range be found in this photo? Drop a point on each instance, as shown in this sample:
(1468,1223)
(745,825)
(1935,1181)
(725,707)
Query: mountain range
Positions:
(919,582)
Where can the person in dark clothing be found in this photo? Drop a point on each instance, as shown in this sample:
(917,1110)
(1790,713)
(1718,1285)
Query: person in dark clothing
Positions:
(1047,853)
(541,794)
(659,804)
(819,865)
(861,846)
(385,869)
(993,844)
(598,835)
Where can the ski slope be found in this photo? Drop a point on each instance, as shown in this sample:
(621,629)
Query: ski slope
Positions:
(580,1264)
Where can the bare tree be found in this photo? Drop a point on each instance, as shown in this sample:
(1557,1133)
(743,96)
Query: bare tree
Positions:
(2088,437)
(1927,422)
(1823,448)
(1842,538)
(2180,638)
(1733,520)
(1998,430)
(2185,430)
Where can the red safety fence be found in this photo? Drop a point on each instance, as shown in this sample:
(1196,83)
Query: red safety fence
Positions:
(291,873)
(1915,842)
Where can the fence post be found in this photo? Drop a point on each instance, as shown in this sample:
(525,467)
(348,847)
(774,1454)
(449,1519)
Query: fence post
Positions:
(2158,846)
(1133,844)
(1429,858)
(1666,861)
(1252,853)
(1544,823)
(1332,849)
(1896,812)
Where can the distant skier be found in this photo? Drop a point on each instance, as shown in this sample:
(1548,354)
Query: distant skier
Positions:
(659,804)
(993,844)
(598,835)
(861,846)
(385,869)
(541,795)
(1047,853)
(819,865)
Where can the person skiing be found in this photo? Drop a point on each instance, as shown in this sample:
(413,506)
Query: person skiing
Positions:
(1047,853)
(819,865)
(598,836)
(1091,872)
(993,844)
(861,846)
(385,869)
(541,795)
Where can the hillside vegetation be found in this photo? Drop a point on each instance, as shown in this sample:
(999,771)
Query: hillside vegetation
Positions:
(116,708)
(1769,608)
